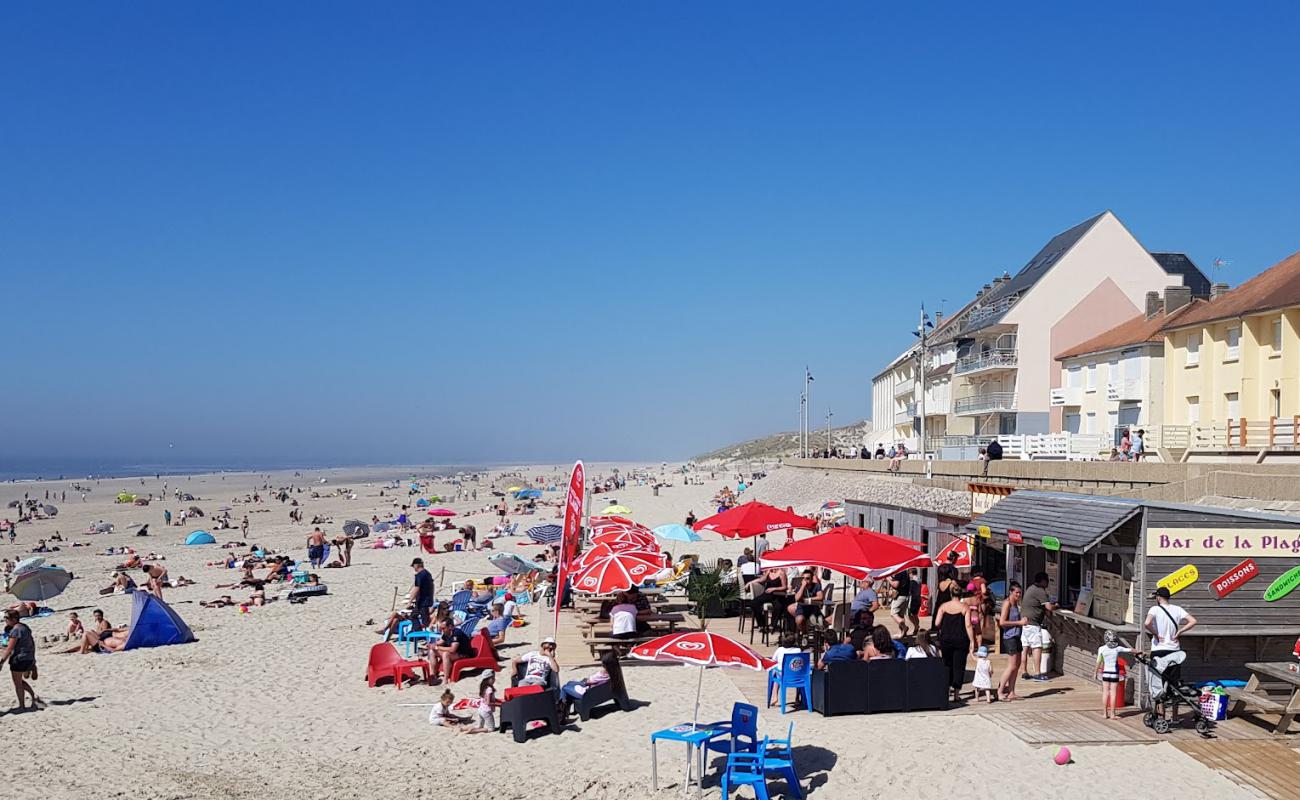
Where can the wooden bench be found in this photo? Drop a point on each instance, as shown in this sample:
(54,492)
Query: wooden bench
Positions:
(594,623)
(599,645)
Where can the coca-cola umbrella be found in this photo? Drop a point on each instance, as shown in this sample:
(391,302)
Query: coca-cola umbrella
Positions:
(960,546)
(615,573)
(607,549)
(855,552)
(702,648)
(754,518)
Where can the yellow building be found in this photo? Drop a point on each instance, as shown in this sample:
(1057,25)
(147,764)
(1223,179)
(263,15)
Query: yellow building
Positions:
(1237,358)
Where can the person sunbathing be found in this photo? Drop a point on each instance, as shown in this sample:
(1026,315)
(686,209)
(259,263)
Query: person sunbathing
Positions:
(131,563)
(220,602)
(25,608)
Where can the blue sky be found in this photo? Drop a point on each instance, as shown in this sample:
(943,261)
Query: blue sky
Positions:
(486,232)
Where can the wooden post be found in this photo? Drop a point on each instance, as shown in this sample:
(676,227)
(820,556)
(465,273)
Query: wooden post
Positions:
(1243,431)
(1272,430)
(1295,431)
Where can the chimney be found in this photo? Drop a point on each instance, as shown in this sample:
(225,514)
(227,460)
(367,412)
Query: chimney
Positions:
(1218,290)
(987,287)
(1176,297)
(938,318)
(1006,276)
(1153,304)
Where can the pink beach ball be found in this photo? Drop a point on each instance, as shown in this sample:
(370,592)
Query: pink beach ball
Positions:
(1062,756)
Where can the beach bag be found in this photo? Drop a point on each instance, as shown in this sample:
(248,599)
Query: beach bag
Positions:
(1214,704)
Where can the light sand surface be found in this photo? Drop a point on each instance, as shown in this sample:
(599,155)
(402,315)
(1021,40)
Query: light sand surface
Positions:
(273,703)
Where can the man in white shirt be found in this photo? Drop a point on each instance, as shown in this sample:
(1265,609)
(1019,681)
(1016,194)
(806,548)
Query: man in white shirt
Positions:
(1166,622)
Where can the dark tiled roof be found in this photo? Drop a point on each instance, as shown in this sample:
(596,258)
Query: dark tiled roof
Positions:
(1037,267)
(1137,330)
(1179,264)
(1276,287)
(1078,521)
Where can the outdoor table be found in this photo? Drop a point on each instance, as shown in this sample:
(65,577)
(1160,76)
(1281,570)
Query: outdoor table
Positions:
(695,738)
(1251,696)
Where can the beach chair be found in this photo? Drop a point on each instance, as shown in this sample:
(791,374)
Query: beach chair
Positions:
(745,769)
(779,758)
(460,600)
(426,543)
(542,705)
(407,635)
(485,657)
(741,732)
(386,662)
(613,691)
(471,621)
(795,673)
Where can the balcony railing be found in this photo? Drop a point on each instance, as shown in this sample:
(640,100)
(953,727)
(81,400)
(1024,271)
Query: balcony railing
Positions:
(906,416)
(989,359)
(985,403)
(984,313)
(905,388)
(1130,389)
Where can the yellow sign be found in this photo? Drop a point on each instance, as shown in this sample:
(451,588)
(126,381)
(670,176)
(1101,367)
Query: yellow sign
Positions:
(1229,542)
(1179,580)
(984,532)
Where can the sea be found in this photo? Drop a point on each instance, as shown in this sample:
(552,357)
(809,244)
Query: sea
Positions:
(77,469)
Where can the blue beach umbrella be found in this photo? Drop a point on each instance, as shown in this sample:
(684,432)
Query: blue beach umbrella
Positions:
(40,584)
(676,533)
(545,534)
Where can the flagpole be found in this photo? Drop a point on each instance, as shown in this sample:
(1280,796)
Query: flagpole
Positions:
(922,381)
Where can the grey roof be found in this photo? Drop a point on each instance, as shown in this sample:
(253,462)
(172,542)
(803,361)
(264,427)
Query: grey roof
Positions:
(1079,521)
(1179,264)
(1037,267)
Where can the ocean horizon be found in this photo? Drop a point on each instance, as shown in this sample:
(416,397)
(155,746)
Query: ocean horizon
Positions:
(82,469)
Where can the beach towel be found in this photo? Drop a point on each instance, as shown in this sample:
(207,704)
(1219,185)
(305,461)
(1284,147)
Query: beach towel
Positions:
(41,611)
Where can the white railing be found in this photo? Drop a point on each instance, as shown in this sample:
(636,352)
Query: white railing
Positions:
(906,416)
(1128,389)
(983,313)
(985,403)
(1001,358)
(904,388)
(1067,446)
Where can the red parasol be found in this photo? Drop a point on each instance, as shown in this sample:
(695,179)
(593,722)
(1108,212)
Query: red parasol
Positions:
(615,573)
(961,547)
(703,648)
(754,518)
(855,552)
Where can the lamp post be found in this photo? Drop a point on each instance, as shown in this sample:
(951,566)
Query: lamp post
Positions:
(829,414)
(922,329)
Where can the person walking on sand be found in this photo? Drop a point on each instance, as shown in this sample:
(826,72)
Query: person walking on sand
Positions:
(316,548)
(243,527)
(1010,624)
(20,652)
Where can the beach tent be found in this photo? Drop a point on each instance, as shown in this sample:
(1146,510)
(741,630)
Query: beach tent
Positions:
(200,537)
(125,497)
(154,624)
(422,503)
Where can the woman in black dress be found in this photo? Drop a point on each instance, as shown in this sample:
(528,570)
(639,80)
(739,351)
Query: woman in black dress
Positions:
(770,587)
(955,637)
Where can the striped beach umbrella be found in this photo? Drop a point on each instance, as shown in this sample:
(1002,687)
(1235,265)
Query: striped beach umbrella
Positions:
(545,534)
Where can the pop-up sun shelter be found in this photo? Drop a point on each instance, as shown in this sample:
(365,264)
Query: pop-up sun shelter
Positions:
(200,537)
(154,624)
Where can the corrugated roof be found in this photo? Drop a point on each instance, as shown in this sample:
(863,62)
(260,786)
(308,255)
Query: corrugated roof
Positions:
(1179,264)
(1078,521)
(1276,287)
(1138,330)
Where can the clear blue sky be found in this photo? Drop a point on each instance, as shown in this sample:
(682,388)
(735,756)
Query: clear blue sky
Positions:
(431,232)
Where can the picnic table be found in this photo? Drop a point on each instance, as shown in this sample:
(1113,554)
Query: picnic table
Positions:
(672,620)
(1287,703)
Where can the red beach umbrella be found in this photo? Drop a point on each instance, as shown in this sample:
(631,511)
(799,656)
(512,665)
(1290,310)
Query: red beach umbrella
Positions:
(754,518)
(615,573)
(961,547)
(605,550)
(442,512)
(856,552)
(625,537)
(704,648)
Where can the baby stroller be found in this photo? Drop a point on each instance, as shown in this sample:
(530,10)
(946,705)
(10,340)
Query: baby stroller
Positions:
(1163,708)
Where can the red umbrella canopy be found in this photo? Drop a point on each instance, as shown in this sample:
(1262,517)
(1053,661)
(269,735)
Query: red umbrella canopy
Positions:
(626,537)
(754,518)
(617,525)
(615,573)
(704,648)
(442,512)
(855,552)
(607,549)
(959,546)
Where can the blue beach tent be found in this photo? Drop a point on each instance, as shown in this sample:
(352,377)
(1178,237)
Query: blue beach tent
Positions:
(200,537)
(154,624)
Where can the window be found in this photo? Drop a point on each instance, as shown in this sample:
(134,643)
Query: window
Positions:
(1234,344)
(1276,397)
(1234,404)
(1091,422)
(1075,376)
(1277,337)
(1072,423)
(1092,377)
(1193,349)
(1193,410)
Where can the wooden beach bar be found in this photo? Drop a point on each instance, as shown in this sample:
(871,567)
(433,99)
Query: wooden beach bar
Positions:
(1237,572)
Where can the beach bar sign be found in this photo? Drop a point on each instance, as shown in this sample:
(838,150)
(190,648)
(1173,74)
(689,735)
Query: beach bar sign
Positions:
(1209,542)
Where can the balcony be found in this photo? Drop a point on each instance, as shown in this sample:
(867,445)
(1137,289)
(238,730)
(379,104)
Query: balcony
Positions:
(1002,358)
(989,403)
(1067,396)
(905,388)
(906,416)
(1131,389)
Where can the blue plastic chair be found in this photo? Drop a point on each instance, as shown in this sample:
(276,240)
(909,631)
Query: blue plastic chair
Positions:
(470,622)
(745,769)
(781,748)
(740,735)
(410,637)
(460,600)
(778,757)
(795,673)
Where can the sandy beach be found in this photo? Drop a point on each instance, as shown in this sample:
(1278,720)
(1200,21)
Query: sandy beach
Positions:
(275,701)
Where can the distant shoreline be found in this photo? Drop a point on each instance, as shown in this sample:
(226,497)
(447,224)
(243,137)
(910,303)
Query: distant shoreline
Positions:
(108,471)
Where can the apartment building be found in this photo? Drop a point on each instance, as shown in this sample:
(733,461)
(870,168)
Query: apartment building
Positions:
(1116,380)
(1003,343)
(1237,356)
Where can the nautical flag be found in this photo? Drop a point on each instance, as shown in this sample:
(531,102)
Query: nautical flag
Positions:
(807,375)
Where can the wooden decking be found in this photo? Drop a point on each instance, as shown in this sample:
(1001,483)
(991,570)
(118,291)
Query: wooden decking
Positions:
(1270,767)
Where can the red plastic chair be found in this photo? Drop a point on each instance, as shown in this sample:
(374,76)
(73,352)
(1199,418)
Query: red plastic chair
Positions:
(485,656)
(386,662)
